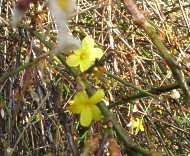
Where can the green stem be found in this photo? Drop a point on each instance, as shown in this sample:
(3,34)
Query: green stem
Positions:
(121,132)
(163,51)
(128,84)
(153,91)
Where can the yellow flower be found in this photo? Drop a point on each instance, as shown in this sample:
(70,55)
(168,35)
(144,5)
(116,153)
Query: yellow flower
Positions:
(137,124)
(63,4)
(86,106)
(85,56)
(67,5)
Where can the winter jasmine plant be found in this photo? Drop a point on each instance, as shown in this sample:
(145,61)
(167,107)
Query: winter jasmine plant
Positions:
(86,106)
(137,125)
(85,56)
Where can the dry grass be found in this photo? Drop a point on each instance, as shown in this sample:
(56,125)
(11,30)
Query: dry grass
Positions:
(34,119)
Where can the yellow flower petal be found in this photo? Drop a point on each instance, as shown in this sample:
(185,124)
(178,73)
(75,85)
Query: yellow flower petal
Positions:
(97,52)
(78,52)
(96,112)
(141,128)
(86,107)
(138,125)
(84,54)
(64,4)
(79,102)
(86,117)
(135,123)
(73,60)
(67,6)
(97,97)
(75,108)
(81,97)
(85,64)
(87,43)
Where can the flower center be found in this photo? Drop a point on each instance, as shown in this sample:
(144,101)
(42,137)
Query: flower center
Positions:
(83,55)
(63,4)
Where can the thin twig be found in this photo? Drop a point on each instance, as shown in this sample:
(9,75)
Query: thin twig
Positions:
(153,91)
